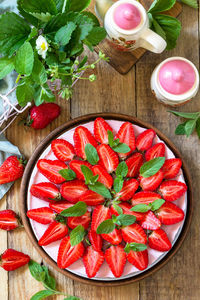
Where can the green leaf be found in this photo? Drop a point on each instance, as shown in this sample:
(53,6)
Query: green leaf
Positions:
(117,208)
(106,227)
(110,138)
(151,167)
(172,28)
(158,29)
(135,247)
(49,282)
(161,5)
(24,59)
(72,298)
(42,295)
(59,5)
(77,5)
(36,270)
(118,184)
(77,235)
(87,174)
(155,205)
(92,17)
(180,129)
(185,114)
(121,148)
(43,93)
(59,21)
(198,127)
(39,7)
(39,74)
(192,3)
(91,154)
(14,31)
(100,189)
(190,127)
(122,169)
(6,66)
(68,174)
(63,35)
(126,220)
(24,93)
(77,210)
(96,35)
(28,17)
(140,208)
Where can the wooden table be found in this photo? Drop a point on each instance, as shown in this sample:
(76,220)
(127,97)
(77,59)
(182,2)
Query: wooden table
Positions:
(130,94)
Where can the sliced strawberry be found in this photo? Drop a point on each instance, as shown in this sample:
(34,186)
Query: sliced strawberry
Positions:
(67,254)
(84,220)
(91,198)
(104,177)
(171,190)
(76,164)
(92,261)
(62,149)
(151,183)
(145,139)
(158,240)
(11,260)
(43,215)
(144,198)
(8,220)
(60,206)
(116,259)
(46,191)
(139,259)
(171,168)
(100,214)
(82,137)
(114,238)
(56,231)
(126,211)
(134,234)
(126,135)
(169,213)
(95,240)
(101,128)
(150,221)
(73,190)
(130,186)
(158,150)
(107,158)
(50,169)
(134,163)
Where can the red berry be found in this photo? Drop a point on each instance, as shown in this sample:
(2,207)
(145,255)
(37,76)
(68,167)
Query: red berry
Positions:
(126,135)
(150,221)
(129,188)
(56,231)
(134,163)
(158,240)
(76,164)
(50,169)
(91,198)
(104,177)
(171,168)
(134,234)
(169,213)
(95,240)
(8,220)
(46,191)
(139,259)
(116,259)
(83,220)
(92,261)
(144,197)
(145,139)
(126,211)
(43,215)
(73,190)
(151,183)
(100,214)
(101,128)
(171,190)
(12,260)
(62,149)
(59,206)
(107,158)
(114,238)
(158,150)
(40,116)
(11,169)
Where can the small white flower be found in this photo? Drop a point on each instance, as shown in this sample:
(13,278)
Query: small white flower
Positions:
(42,46)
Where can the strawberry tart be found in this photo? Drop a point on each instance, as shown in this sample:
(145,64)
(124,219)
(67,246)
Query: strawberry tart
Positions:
(107,199)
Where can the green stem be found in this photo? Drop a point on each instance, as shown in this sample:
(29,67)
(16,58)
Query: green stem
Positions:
(18,78)
(64,5)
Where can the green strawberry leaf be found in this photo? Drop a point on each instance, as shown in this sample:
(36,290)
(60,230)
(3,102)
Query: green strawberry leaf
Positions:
(42,294)
(155,205)
(118,184)
(140,208)
(191,3)
(37,8)
(77,210)
(151,167)
(100,189)
(77,235)
(77,5)
(68,174)
(96,35)
(185,114)
(122,169)
(180,129)
(24,59)
(87,174)
(190,127)
(106,227)
(135,247)
(36,270)
(161,5)
(198,127)
(39,74)
(126,220)
(91,154)
(121,148)
(156,27)
(6,66)
(64,34)
(24,93)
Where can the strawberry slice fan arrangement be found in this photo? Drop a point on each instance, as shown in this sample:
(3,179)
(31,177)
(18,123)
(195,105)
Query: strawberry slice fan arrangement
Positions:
(107,203)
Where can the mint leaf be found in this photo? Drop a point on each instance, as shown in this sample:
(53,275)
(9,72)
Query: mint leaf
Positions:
(122,169)
(77,5)
(13,32)
(77,235)
(135,247)
(118,184)
(191,3)
(91,154)
(6,66)
(140,208)
(117,208)
(155,205)
(96,35)
(77,210)
(42,295)
(198,127)
(121,148)
(100,189)
(106,227)
(87,174)
(151,167)
(161,5)
(180,129)
(24,93)
(126,220)
(49,282)
(24,59)
(36,270)
(39,74)
(68,174)
(185,114)
(190,127)
(63,35)
(110,138)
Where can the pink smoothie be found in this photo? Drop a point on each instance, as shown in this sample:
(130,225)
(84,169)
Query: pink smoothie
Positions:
(177,77)
(127,16)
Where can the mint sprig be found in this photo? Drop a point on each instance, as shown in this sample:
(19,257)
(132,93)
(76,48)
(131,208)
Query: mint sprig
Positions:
(109,225)
(116,145)
(151,167)
(68,174)
(135,247)
(121,172)
(91,154)
(77,210)
(77,235)
(155,205)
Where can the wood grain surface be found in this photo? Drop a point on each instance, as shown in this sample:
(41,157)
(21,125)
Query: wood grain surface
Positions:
(129,94)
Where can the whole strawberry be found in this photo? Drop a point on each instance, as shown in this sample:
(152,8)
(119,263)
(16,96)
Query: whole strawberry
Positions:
(42,115)
(11,260)
(11,169)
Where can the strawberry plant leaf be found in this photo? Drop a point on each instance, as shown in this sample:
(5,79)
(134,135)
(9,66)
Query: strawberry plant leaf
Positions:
(106,227)
(100,189)
(126,220)
(121,148)
(135,247)
(156,27)
(24,93)
(87,174)
(180,129)
(96,35)
(152,166)
(198,127)
(24,59)
(36,270)
(122,169)
(118,184)
(6,66)
(140,208)
(77,235)
(156,204)
(63,35)
(191,3)
(161,5)
(185,114)
(39,74)
(68,174)
(91,154)
(77,5)
(77,210)
(117,208)
(39,7)
(190,127)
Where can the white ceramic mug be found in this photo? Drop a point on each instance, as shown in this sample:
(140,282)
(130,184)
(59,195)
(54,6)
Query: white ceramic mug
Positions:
(140,36)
